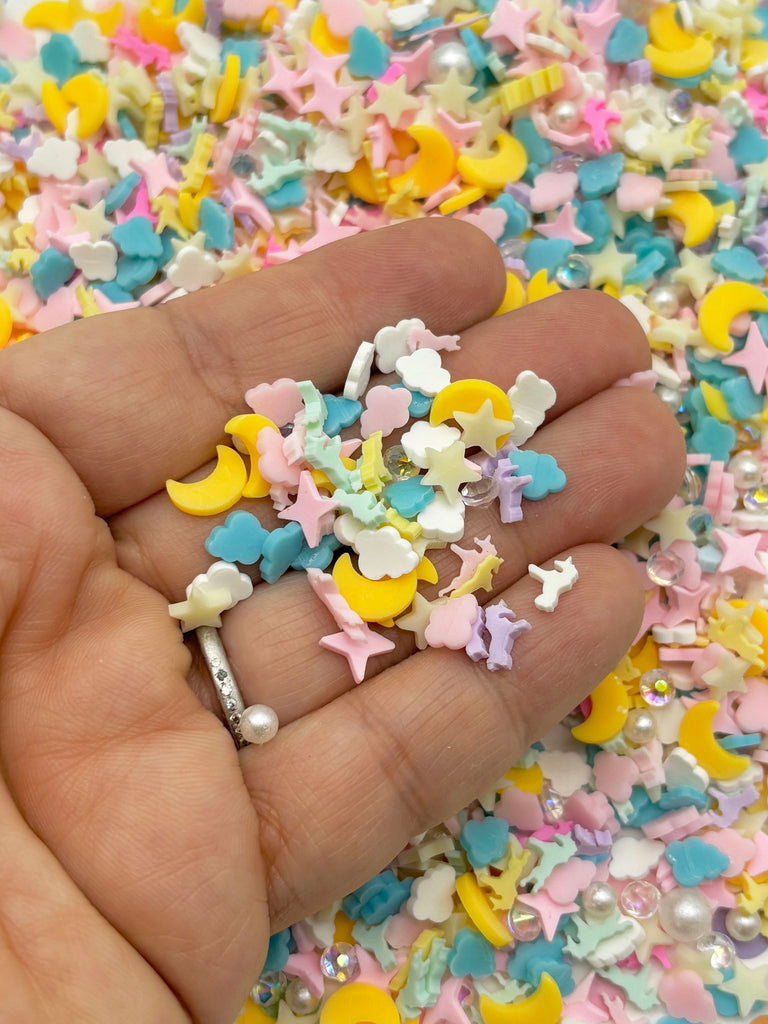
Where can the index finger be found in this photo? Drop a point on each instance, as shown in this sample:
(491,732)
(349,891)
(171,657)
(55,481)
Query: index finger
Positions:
(132,398)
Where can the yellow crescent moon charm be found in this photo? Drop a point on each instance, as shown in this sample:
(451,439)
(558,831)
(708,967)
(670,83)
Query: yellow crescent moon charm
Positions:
(246,429)
(543,1007)
(724,302)
(433,167)
(492,173)
(695,212)
(379,600)
(610,707)
(359,1003)
(217,492)
(697,738)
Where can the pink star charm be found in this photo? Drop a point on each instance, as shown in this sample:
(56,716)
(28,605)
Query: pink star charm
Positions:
(564,226)
(448,1008)
(597,25)
(282,81)
(311,510)
(579,1007)
(357,652)
(753,358)
(458,133)
(549,911)
(326,231)
(511,23)
(739,552)
(415,65)
(328,97)
(319,66)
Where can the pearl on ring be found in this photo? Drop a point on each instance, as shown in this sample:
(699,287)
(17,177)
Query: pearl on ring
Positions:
(258,724)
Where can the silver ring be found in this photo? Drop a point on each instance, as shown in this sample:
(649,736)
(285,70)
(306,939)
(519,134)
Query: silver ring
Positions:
(256,723)
(227,690)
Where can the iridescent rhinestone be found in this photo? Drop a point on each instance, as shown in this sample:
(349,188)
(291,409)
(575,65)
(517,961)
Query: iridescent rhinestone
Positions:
(656,687)
(479,493)
(552,804)
(340,962)
(269,989)
(574,273)
(756,500)
(397,463)
(691,486)
(523,922)
(639,899)
(679,106)
(720,948)
(665,568)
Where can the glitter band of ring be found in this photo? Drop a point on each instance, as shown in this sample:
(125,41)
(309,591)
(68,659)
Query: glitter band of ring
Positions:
(220,671)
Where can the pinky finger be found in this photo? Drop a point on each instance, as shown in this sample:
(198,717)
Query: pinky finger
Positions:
(407,749)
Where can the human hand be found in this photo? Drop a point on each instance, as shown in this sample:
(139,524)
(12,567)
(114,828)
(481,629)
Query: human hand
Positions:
(145,860)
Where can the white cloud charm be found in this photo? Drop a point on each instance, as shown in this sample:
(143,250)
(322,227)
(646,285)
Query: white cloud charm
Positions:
(423,371)
(384,552)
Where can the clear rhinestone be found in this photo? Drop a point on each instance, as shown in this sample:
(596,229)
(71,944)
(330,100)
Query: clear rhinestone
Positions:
(665,568)
(691,487)
(552,804)
(639,899)
(679,106)
(574,273)
(565,163)
(242,165)
(720,948)
(479,493)
(512,249)
(397,463)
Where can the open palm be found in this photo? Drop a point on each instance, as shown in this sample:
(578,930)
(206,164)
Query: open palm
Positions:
(144,861)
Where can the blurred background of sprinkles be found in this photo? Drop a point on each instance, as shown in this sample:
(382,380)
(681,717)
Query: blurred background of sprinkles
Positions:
(619,871)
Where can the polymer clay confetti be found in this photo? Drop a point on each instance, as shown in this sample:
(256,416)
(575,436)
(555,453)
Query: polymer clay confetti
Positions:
(342,509)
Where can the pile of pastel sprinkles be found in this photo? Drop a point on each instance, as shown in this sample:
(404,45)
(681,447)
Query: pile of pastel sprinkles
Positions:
(380,505)
(619,871)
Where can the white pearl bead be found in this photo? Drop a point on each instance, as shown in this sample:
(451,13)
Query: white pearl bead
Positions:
(564,116)
(258,724)
(747,470)
(598,901)
(640,726)
(663,300)
(447,56)
(742,926)
(685,914)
